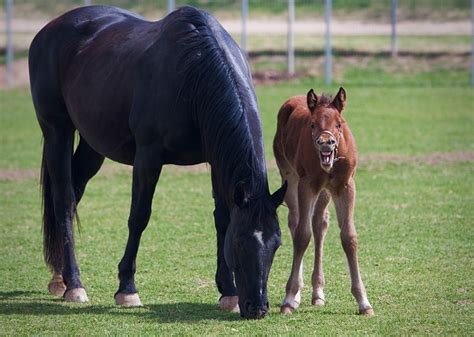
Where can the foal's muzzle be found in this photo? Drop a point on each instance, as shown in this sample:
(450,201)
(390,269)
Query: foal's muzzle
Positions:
(327,144)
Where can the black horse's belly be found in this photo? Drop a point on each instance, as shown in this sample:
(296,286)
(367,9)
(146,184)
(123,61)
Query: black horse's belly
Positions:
(104,126)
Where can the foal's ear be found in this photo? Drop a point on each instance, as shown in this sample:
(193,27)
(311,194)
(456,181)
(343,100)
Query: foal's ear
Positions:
(279,195)
(312,100)
(241,197)
(339,101)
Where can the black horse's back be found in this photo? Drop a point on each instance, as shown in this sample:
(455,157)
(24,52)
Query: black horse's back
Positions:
(113,70)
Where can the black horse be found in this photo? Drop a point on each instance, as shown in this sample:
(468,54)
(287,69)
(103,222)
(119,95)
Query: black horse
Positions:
(175,91)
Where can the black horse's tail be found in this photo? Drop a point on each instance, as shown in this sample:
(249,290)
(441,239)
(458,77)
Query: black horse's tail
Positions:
(52,243)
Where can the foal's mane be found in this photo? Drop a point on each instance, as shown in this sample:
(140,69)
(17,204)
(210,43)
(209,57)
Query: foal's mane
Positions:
(218,95)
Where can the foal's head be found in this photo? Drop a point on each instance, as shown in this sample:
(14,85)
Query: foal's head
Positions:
(251,242)
(326,125)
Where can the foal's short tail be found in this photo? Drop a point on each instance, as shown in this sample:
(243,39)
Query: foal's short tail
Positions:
(52,233)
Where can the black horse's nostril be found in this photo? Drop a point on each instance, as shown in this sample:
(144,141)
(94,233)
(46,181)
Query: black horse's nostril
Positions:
(332,142)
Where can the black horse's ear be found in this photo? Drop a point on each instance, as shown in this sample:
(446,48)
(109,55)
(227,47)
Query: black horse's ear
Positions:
(279,195)
(312,100)
(241,197)
(339,101)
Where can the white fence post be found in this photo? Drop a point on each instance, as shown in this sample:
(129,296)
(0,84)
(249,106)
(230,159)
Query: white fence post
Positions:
(327,46)
(9,51)
(87,2)
(291,45)
(393,16)
(171,6)
(245,14)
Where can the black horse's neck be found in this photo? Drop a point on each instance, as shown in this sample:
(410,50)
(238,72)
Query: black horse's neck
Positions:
(218,89)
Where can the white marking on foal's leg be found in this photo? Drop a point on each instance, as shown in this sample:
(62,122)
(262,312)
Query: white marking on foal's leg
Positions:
(258,236)
(294,300)
(318,297)
(365,308)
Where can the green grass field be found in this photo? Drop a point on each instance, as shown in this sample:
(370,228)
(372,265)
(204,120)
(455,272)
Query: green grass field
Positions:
(414,218)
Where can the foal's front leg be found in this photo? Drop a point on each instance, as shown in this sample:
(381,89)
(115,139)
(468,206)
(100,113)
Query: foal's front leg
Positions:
(146,171)
(301,236)
(320,227)
(344,202)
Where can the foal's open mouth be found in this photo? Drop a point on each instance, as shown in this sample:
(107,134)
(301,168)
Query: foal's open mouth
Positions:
(327,158)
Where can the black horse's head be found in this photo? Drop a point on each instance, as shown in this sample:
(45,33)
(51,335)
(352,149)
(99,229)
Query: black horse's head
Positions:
(251,242)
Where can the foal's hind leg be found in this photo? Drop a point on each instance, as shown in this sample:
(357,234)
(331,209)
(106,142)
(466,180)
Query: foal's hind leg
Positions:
(146,172)
(85,164)
(320,226)
(301,235)
(344,203)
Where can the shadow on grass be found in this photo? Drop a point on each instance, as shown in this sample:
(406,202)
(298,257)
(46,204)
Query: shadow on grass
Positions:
(26,303)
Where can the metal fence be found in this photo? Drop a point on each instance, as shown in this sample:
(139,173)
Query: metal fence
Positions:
(279,34)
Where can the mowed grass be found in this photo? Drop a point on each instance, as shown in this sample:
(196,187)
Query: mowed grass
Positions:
(414,222)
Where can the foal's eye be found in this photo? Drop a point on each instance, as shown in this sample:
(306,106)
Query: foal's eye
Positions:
(312,126)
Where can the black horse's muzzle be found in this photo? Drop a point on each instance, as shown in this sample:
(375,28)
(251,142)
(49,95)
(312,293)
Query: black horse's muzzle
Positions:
(252,310)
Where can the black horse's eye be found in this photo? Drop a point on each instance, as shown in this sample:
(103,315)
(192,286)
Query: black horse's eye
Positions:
(312,126)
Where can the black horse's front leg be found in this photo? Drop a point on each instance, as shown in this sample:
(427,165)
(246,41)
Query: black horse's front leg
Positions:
(146,172)
(224,277)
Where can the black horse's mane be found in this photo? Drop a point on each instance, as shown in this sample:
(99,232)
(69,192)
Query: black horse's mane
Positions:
(218,98)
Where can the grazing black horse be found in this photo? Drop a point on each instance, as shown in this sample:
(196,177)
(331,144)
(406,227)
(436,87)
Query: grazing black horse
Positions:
(176,91)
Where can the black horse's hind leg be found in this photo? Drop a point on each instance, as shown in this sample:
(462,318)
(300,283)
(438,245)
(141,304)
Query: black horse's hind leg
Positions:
(146,172)
(58,145)
(85,164)
(224,277)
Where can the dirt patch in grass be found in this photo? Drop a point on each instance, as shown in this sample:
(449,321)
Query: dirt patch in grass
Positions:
(437,158)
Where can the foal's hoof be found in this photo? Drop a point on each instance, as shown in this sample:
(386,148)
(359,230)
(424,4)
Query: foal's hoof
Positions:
(286,309)
(128,300)
(56,286)
(229,303)
(76,295)
(319,302)
(367,312)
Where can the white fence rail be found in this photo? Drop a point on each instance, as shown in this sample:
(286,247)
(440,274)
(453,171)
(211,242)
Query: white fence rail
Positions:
(291,25)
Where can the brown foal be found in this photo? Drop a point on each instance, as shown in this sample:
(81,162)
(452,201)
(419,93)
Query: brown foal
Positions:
(316,154)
